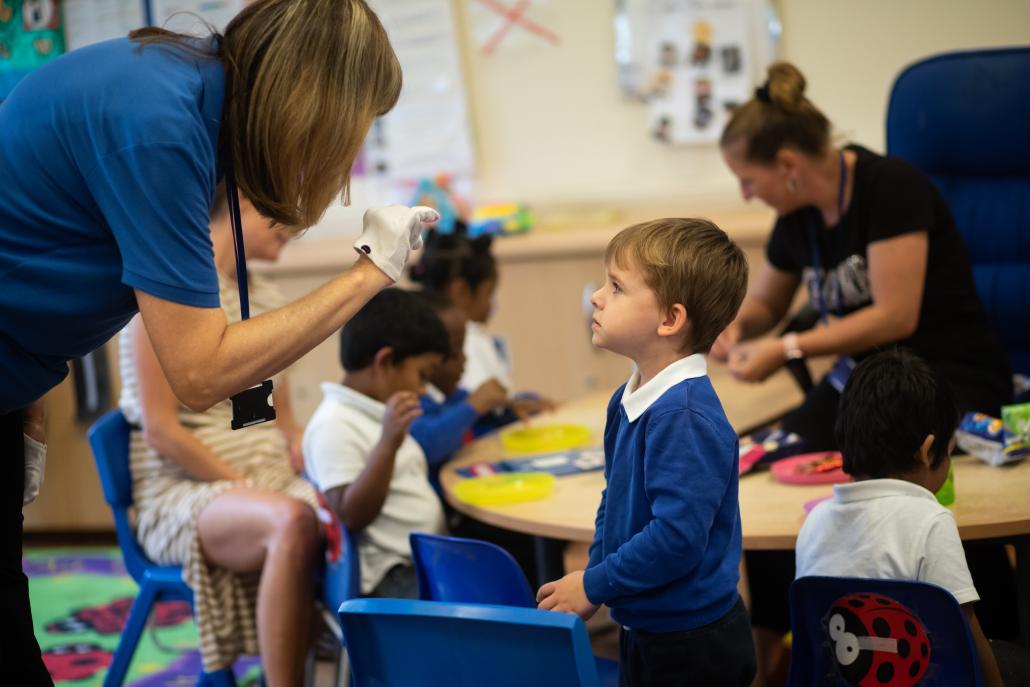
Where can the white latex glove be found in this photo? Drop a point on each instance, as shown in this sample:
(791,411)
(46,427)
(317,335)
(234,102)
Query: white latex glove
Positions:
(35,466)
(391,233)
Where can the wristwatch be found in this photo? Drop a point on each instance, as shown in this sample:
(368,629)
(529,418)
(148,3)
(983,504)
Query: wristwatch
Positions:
(791,349)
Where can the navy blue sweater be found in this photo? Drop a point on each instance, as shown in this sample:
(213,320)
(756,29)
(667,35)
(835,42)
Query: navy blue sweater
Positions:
(666,549)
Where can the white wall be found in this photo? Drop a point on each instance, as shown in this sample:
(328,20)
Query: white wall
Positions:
(851,51)
(550,124)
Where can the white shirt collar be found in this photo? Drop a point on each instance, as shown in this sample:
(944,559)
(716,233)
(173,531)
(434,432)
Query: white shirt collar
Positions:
(435,394)
(636,401)
(346,396)
(865,490)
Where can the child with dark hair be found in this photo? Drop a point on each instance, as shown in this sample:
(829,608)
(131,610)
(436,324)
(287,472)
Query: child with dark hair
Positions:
(895,426)
(357,447)
(463,271)
(449,412)
(450,417)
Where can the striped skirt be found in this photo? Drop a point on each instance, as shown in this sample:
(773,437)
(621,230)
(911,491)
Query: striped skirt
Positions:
(168,503)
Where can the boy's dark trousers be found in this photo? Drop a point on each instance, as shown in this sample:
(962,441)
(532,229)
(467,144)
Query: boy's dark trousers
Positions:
(720,653)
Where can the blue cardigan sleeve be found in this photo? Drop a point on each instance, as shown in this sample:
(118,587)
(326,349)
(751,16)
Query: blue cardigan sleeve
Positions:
(440,430)
(687,469)
(611,423)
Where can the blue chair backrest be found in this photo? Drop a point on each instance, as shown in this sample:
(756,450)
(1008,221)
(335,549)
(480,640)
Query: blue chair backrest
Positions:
(893,632)
(343,578)
(429,643)
(962,118)
(109,439)
(468,571)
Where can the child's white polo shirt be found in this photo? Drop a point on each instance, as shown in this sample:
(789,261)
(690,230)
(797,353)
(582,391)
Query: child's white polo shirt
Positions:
(885,529)
(343,431)
(486,358)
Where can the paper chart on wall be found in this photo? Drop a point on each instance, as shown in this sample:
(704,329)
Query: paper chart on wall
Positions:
(427,132)
(92,21)
(181,15)
(692,61)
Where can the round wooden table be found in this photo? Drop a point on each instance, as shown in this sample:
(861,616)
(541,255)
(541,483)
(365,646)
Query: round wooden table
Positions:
(990,503)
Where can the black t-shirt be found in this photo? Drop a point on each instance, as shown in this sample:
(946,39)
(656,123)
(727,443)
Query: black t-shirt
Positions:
(891,198)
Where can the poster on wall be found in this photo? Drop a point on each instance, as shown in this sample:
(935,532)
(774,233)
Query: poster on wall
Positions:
(425,137)
(31,34)
(692,61)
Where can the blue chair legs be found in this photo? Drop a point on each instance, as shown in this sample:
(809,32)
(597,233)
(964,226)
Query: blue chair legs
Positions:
(134,624)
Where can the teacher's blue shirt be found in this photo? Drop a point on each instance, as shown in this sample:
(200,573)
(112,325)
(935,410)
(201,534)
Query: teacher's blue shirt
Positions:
(108,159)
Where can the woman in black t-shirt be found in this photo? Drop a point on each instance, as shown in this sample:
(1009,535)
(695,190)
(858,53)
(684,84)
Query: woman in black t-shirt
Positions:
(874,244)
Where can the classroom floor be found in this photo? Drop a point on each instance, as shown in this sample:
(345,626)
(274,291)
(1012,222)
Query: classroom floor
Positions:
(81,598)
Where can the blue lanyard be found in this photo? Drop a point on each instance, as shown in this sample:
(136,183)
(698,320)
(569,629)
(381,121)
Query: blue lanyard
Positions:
(237,240)
(817,257)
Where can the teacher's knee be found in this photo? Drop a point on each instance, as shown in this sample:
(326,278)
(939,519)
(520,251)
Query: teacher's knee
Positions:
(296,528)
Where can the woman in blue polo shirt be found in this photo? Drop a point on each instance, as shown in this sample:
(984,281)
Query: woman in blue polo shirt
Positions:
(110,156)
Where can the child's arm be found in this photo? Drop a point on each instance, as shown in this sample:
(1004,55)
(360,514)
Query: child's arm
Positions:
(162,429)
(988,666)
(687,470)
(526,407)
(287,423)
(440,434)
(357,504)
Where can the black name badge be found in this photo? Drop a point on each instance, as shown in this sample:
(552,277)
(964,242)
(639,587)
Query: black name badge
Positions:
(253,406)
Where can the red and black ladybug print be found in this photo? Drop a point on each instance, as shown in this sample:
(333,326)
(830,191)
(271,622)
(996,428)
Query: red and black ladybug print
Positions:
(876,641)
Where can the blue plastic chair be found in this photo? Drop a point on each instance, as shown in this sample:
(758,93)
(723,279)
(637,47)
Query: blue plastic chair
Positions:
(109,439)
(471,571)
(434,644)
(468,571)
(845,626)
(340,581)
(961,118)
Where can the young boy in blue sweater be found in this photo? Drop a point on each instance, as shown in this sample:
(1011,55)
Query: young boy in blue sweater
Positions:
(667,544)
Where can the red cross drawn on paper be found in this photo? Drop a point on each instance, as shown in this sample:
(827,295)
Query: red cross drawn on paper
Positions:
(515,15)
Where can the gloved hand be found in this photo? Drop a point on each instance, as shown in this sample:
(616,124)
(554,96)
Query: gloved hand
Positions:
(35,466)
(391,233)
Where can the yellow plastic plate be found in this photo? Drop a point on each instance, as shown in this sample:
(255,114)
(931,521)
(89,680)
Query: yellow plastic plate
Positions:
(545,438)
(512,487)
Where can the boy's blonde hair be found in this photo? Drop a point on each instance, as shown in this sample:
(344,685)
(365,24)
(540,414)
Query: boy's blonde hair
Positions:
(691,262)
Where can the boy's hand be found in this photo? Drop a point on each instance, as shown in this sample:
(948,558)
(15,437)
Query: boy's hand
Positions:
(490,394)
(524,408)
(566,595)
(401,410)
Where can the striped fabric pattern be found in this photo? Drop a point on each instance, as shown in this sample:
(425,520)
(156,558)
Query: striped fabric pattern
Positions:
(168,501)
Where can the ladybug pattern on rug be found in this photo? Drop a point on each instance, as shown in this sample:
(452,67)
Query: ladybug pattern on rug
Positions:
(877,641)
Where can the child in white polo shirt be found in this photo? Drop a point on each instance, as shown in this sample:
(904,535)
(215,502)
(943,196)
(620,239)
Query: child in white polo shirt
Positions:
(357,447)
(895,428)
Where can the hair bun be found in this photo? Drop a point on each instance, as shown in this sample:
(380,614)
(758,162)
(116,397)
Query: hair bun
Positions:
(785,86)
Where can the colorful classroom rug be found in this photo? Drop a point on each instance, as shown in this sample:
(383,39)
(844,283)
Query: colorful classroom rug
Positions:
(80,600)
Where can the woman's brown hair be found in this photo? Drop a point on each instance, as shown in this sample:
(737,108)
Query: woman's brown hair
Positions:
(779,115)
(304,79)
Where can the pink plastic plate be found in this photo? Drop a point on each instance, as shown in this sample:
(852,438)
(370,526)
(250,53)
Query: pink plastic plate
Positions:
(809,468)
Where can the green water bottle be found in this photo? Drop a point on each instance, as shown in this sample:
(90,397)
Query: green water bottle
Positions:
(946,494)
